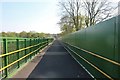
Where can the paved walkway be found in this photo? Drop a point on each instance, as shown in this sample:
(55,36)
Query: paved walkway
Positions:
(58,63)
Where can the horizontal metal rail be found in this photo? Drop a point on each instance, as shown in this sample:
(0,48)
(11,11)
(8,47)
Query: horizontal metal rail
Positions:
(105,74)
(20,58)
(109,60)
(17,51)
(20,50)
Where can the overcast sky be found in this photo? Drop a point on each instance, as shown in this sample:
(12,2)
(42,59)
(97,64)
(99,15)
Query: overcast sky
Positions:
(30,15)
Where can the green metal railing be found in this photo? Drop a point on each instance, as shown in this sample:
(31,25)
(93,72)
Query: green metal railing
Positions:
(14,52)
(97,48)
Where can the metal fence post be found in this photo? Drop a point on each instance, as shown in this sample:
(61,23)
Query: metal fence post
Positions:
(5,57)
(25,42)
(36,46)
(30,49)
(40,42)
(17,42)
(47,41)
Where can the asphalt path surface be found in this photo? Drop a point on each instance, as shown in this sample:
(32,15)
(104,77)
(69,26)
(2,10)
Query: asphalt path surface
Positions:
(58,63)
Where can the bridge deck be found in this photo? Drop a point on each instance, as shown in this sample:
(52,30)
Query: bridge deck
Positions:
(58,63)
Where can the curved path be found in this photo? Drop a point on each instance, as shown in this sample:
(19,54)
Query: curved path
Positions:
(58,63)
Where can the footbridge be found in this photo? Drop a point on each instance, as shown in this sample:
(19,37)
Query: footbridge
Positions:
(90,53)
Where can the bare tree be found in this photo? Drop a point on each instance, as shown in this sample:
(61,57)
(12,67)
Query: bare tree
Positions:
(72,9)
(97,11)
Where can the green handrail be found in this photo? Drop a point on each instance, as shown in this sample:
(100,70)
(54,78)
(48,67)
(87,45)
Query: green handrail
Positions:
(17,51)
